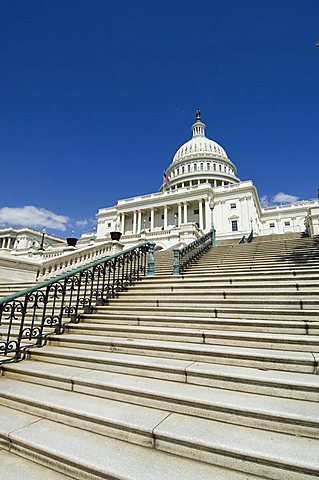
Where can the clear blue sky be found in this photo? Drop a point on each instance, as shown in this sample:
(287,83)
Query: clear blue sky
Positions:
(96,97)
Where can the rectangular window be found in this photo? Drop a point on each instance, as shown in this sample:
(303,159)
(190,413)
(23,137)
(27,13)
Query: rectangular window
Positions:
(234,225)
(109,225)
(196,212)
(162,217)
(272,225)
(287,224)
(233,205)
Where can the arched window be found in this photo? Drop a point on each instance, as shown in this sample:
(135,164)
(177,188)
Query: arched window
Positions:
(201,166)
(214,166)
(195,167)
(208,166)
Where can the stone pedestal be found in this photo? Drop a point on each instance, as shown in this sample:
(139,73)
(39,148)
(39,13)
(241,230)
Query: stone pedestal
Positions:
(117,247)
(189,232)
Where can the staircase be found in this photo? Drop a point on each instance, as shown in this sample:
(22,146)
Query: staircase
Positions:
(209,375)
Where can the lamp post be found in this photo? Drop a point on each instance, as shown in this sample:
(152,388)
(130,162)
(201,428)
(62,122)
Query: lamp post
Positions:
(41,248)
(175,217)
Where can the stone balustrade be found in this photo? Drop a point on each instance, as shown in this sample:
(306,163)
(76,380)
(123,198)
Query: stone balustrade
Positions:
(60,264)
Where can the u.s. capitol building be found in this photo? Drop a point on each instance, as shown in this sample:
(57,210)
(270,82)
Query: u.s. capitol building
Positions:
(200,190)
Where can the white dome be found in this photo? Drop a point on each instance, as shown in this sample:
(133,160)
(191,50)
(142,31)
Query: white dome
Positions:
(200,145)
(200,160)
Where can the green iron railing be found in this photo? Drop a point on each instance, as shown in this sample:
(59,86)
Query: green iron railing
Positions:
(189,254)
(29,316)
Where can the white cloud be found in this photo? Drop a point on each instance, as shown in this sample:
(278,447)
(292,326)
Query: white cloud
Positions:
(30,216)
(81,223)
(85,222)
(264,201)
(284,198)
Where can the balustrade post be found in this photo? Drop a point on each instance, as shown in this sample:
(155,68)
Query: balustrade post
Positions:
(176,261)
(151,260)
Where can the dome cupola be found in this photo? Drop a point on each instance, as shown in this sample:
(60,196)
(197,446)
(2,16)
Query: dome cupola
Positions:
(198,127)
(200,160)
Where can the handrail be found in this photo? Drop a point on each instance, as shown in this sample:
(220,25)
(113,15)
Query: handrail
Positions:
(28,316)
(187,255)
(250,237)
(247,239)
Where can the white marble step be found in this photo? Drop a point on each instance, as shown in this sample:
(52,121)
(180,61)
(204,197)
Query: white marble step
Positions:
(218,311)
(224,324)
(85,455)
(300,302)
(309,343)
(14,467)
(237,262)
(239,277)
(255,380)
(303,362)
(228,291)
(200,439)
(270,413)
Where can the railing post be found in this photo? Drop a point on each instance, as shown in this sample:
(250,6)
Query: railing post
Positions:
(213,236)
(151,260)
(176,262)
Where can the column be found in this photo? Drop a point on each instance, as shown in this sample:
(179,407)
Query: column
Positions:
(165,217)
(179,214)
(123,223)
(152,219)
(208,220)
(134,221)
(185,212)
(249,214)
(139,222)
(200,209)
(8,242)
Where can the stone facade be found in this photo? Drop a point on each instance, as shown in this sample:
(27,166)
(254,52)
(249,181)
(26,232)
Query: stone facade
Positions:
(22,239)
(201,188)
